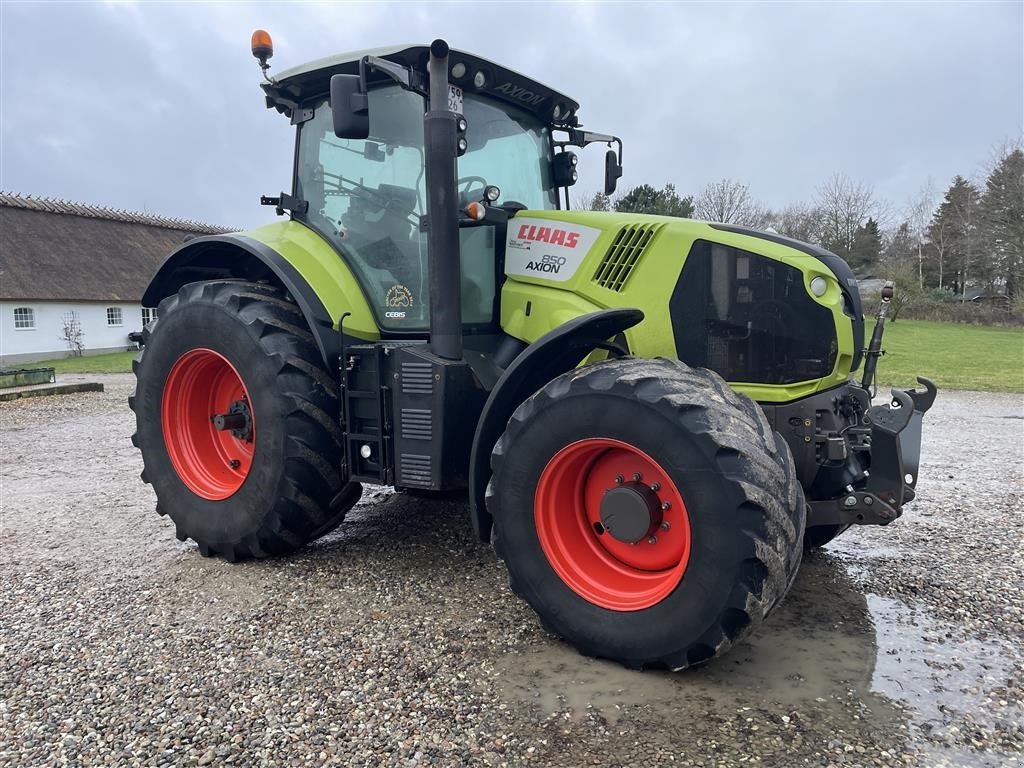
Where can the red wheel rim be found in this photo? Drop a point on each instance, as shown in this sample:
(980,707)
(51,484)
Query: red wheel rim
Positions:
(605,571)
(212,462)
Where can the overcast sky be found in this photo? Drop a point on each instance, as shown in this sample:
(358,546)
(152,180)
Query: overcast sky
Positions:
(157,107)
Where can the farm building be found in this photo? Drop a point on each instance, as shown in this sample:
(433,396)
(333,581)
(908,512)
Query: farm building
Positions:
(75,270)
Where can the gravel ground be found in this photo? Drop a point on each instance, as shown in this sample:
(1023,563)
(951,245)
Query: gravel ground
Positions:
(395,641)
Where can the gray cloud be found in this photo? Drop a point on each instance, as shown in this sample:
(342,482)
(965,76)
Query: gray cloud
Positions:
(156,107)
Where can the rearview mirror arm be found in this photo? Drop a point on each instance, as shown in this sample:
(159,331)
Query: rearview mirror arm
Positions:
(580,138)
(408,78)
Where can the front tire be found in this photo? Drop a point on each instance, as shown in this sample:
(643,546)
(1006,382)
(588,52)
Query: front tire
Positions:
(646,511)
(237,422)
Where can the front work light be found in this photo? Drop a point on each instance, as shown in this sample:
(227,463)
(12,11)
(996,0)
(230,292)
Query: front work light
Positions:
(564,168)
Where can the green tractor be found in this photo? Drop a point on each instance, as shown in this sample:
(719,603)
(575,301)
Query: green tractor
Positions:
(653,417)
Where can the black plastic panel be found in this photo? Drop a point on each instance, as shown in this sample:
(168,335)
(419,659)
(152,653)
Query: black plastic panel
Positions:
(749,318)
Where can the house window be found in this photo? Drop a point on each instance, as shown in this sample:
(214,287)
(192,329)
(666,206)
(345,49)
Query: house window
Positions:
(114,316)
(24,318)
(148,315)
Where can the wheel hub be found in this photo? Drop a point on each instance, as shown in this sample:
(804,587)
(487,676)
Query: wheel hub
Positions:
(208,425)
(238,419)
(622,544)
(631,512)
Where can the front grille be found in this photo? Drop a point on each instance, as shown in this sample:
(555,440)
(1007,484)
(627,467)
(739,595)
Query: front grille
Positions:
(623,254)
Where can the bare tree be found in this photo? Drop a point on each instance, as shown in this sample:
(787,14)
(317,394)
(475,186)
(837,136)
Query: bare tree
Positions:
(729,202)
(797,220)
(71,333)
(919,215)
(845,205)
(942,238)
(592,201)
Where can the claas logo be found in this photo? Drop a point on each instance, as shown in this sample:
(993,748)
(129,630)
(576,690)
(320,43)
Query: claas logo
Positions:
(551,235)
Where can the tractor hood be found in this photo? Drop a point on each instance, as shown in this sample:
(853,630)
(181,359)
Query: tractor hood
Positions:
(735,300)
(312,80)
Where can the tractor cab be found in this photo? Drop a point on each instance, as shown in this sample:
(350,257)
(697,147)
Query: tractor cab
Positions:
(365,191)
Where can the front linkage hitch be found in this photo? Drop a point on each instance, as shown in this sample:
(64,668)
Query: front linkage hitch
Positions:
(893,433)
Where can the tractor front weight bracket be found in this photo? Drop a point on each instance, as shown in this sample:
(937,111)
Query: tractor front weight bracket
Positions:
(895,434)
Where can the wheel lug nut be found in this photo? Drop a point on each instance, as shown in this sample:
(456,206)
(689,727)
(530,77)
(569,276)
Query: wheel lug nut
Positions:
(655,487)
(652,540)
(637,477)
(235,463)
(619,479)
(665,525)
(666,505)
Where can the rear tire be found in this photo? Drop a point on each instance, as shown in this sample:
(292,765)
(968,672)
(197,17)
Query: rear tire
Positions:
(266,488)
(731,490)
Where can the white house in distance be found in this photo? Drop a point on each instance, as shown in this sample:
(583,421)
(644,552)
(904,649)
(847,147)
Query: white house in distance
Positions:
(62,263)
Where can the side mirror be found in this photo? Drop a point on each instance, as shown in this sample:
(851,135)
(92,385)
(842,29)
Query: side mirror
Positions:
(349,107)
(612,170)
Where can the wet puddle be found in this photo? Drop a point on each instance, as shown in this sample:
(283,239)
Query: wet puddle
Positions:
(829,648)
(809,649)
(945,679)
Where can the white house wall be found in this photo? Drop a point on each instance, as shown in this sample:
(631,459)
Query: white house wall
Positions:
(44,341)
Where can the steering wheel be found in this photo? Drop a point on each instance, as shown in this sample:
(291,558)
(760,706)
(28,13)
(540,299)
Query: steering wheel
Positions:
(468,181)
(374,197)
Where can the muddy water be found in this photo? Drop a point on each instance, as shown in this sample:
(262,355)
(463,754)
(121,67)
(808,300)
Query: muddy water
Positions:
(816,645)
(830,654)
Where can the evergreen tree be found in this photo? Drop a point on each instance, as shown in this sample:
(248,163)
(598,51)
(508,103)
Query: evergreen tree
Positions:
(663,202)
(599,201)
(954,232)
(1001,217)
(900,248)
(867,247)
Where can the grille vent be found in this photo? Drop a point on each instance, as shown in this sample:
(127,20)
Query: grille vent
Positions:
(414,470)
(417,424)
(417,378)
(623,254)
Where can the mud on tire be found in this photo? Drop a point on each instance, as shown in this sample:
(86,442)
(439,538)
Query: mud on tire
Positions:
(745,506)
(293,492)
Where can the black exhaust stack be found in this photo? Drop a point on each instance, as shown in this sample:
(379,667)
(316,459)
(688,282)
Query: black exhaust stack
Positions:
(445,280)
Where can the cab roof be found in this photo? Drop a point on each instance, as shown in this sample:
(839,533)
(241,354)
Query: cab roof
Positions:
(312,80)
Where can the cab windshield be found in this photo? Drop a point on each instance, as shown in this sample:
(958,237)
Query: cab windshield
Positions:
(368,196)
(510,149)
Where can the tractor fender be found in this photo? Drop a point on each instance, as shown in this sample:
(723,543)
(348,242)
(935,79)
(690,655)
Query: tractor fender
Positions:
(558,351)
(216,257)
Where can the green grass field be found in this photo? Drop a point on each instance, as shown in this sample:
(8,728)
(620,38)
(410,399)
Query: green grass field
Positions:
(115,362)
(954,356)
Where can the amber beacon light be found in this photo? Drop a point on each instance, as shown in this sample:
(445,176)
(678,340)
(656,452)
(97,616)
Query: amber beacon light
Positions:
(262,46)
